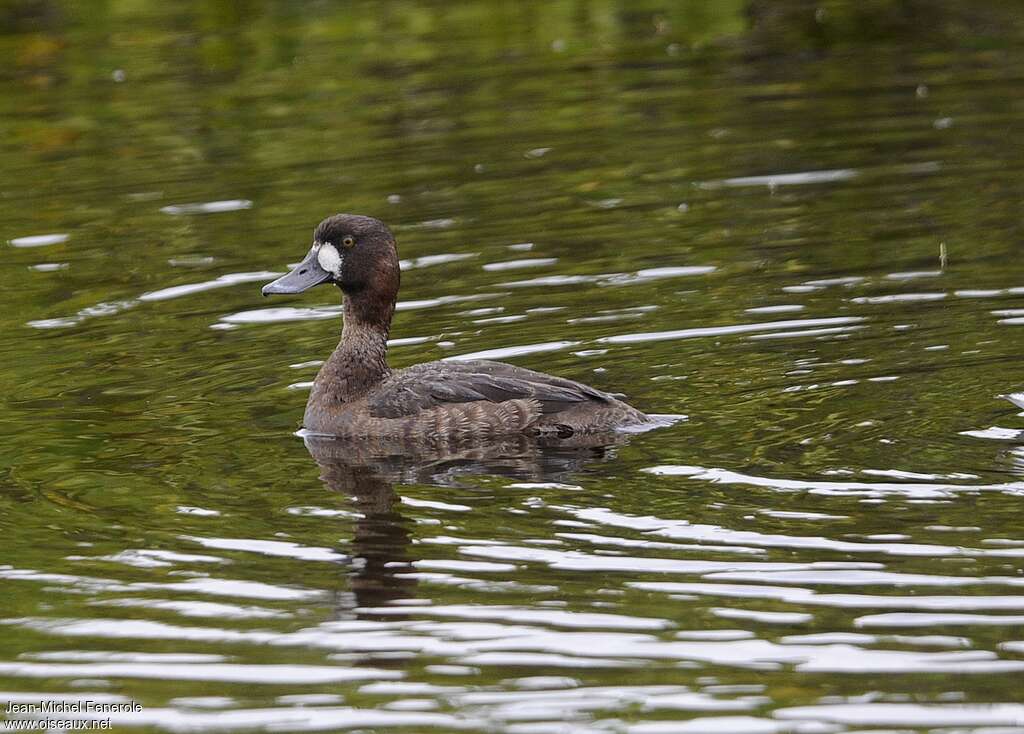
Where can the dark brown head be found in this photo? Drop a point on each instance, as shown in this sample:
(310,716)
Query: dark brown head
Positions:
(356,253)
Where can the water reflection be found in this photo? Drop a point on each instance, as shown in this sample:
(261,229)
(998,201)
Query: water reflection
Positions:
(366,471)
(380,545)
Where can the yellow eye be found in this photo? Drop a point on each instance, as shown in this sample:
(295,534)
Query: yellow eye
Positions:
(348,241)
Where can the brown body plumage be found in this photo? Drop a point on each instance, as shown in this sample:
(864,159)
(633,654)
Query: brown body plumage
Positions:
(356,394)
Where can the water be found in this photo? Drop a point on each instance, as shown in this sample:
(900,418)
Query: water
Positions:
(801,233)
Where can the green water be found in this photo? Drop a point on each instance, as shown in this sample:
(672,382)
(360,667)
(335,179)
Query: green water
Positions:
(797,225)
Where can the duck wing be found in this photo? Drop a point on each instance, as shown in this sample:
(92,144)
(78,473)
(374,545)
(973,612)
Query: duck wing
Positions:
(436,384)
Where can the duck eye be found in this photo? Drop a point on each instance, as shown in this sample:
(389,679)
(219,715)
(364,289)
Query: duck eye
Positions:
(348,240)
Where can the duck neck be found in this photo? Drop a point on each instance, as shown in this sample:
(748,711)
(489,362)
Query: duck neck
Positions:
(360,360)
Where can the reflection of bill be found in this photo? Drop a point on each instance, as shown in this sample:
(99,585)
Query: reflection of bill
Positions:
(366,470)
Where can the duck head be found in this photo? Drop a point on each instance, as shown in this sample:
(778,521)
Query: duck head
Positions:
(356,253)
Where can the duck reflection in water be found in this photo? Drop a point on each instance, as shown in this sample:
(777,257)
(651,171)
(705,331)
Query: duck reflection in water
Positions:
(367,471)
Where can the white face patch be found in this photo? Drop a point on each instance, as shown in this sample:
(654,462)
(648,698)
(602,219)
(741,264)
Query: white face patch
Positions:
(329,259)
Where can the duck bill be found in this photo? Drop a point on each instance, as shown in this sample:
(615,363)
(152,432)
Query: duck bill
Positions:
(306,274)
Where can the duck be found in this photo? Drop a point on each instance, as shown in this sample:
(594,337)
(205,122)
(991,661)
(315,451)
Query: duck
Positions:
(357,395)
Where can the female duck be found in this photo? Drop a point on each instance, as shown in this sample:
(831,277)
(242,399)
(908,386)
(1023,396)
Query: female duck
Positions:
(356,394)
